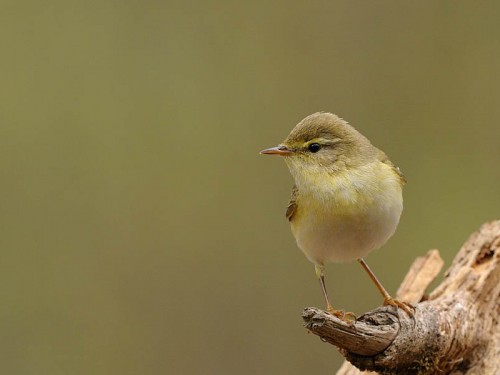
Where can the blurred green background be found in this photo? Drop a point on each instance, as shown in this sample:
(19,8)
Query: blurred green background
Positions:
(141,231)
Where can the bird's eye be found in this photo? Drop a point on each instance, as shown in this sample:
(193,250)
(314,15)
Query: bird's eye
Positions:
(314,147)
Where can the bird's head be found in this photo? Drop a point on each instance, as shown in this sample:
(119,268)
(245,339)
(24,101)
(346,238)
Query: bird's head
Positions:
(323,142)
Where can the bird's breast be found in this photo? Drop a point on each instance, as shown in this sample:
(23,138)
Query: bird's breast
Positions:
(348,218)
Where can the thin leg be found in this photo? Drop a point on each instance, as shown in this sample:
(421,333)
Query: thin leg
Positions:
(348,317)
(388,300)
(377,283)
(321,277)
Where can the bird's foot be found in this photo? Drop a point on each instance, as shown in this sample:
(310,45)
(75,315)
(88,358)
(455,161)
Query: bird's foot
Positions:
(407,307)
(345,316)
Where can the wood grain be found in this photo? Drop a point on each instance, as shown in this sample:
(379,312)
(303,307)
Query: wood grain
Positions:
(455,329)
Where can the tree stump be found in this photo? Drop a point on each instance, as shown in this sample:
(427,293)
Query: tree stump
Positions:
(455,330)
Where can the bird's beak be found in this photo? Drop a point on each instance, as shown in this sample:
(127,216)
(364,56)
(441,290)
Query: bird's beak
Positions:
(278,150)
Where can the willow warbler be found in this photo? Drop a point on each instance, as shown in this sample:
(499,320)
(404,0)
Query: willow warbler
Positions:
(347,197)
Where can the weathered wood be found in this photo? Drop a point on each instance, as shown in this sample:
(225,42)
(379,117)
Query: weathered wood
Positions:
(421,274)
(455,330)
(369,335)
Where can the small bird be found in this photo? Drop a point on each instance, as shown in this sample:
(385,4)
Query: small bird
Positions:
(347,197)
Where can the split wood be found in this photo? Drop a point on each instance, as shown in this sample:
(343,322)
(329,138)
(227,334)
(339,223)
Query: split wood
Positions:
(455,330)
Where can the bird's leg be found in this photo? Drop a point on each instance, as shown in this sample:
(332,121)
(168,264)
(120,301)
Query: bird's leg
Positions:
(345,316)
(388,300)
(321,277)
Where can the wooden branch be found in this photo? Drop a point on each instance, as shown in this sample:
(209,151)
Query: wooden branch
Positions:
(421,274)
(455,330)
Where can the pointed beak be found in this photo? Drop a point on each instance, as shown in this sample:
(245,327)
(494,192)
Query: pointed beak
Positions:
(279,150)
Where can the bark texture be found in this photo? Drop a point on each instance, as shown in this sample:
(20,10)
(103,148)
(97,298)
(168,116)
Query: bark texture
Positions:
(455,330)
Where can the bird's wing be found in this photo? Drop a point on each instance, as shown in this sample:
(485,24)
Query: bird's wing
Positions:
(384,159)
(292,205)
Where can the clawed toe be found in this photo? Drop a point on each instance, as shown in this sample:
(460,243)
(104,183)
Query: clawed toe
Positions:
(345,316)
(407,307)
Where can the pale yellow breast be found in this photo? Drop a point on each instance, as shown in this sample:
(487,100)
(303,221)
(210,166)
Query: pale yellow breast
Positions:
(344,217)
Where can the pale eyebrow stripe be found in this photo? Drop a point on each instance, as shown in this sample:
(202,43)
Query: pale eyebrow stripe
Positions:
(324,141)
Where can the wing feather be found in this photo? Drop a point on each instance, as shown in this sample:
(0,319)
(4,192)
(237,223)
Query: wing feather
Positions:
(292,205)
(384,159)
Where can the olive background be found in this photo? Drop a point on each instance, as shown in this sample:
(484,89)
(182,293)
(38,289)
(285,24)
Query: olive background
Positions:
(142,233)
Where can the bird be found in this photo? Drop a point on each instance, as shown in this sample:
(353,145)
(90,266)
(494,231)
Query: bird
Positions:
(346,200)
